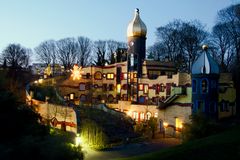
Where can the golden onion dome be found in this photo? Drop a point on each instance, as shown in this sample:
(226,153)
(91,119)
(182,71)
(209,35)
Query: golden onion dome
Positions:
(136,27)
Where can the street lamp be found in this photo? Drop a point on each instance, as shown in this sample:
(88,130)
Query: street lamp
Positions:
(78,140)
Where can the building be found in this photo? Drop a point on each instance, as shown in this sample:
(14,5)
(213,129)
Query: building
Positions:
(144,88)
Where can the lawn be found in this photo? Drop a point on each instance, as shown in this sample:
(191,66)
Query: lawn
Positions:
(225,145)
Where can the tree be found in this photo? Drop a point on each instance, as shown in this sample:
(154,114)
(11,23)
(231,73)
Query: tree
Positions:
(221,41)
(47,52)
(85,48)
(179,42)
(67,52)
(112,47)
(100,50)
(16,56)
(230,18)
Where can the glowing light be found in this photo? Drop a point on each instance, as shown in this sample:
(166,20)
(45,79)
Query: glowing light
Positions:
(76,72)
(129,113)
(118,88)
(165,124)
(40,80)
(78,140)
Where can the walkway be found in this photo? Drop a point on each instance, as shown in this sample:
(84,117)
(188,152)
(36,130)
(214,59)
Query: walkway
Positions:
(131,149)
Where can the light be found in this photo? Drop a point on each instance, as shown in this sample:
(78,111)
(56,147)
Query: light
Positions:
(165,124)
(118,88)
(129,113)
(78,140)
(40,81)
(76,72)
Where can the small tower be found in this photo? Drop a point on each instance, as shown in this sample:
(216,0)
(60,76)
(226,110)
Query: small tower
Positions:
(205,75)
(136,34)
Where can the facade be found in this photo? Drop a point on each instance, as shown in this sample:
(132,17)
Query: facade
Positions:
(145,88)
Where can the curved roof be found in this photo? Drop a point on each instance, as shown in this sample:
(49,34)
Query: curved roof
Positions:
(205,64)
(136,27)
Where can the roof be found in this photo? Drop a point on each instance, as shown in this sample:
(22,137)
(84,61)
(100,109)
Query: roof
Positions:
(205,64)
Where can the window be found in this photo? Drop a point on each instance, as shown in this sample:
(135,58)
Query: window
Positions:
(82,87)
(156,115)
(194,86)
(88,76)
(98,75)
(104,87)
(125,76)
(149,114)
(118,88)
(135,116)
(224,107)
(169,75)
(146,88)
(142,116)
(110,98)
(140,87)
(110,76)
(161,88)
(157,89)
(111,87)
(83,98)
(204,86)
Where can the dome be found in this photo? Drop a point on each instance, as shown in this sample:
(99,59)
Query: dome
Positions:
(205,64)
(136,27)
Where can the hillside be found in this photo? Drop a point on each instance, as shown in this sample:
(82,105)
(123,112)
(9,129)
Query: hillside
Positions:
(222,146)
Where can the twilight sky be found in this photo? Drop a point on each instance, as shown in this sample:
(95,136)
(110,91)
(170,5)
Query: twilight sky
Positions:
(29,22)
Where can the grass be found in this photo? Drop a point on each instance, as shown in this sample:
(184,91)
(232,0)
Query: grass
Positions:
(225,145)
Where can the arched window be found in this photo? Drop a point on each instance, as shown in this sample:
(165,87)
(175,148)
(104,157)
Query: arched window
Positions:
(194,86)
(98,75)
(83,98)
(149,114)
(204,86)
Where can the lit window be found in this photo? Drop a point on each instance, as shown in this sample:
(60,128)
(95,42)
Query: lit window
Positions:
(110,76)
(125,76)
(146,88)
(161,88)
(118,88)
(140,87)
(82,87)
(135,116)
(156,115)
(142,116)
(149,114)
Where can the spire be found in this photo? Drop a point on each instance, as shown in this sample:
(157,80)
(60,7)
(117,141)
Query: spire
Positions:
(136,27)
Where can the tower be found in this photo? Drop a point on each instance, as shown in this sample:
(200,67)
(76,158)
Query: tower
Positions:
(205,75)
(136,34)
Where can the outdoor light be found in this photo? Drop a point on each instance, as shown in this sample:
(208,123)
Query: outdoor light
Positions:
(76,72)
(78,140)
(165,124)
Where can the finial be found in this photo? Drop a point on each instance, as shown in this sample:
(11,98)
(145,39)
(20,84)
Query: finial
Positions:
(205,47)
(137,10)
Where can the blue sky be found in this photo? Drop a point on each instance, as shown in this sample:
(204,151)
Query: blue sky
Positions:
(29,22)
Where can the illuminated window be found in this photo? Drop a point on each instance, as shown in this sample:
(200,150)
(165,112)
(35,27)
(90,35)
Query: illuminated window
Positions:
(161,88)
(118,88)
(125,76)
(82,86)
(156,115)
(178,123)
(135,116)
(142,116)
(149,114)
(146,88)
(98,75)
(140,87)
(110,76)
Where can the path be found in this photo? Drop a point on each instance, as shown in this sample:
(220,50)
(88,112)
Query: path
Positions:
(131,149)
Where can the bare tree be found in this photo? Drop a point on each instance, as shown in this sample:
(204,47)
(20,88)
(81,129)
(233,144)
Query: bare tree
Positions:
(16,56)
(179,42)
(47,52)
(85,48)
(112,47)
(100,50)
(67,52)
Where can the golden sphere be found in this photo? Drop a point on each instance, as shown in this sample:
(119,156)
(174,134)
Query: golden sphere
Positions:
(205,47)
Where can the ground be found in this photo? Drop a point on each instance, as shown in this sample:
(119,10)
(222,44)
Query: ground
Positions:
(129,150)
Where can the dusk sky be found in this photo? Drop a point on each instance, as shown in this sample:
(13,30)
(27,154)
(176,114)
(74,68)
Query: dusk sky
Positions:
(29,22)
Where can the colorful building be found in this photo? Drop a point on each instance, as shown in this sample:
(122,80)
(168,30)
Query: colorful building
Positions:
(144,88)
